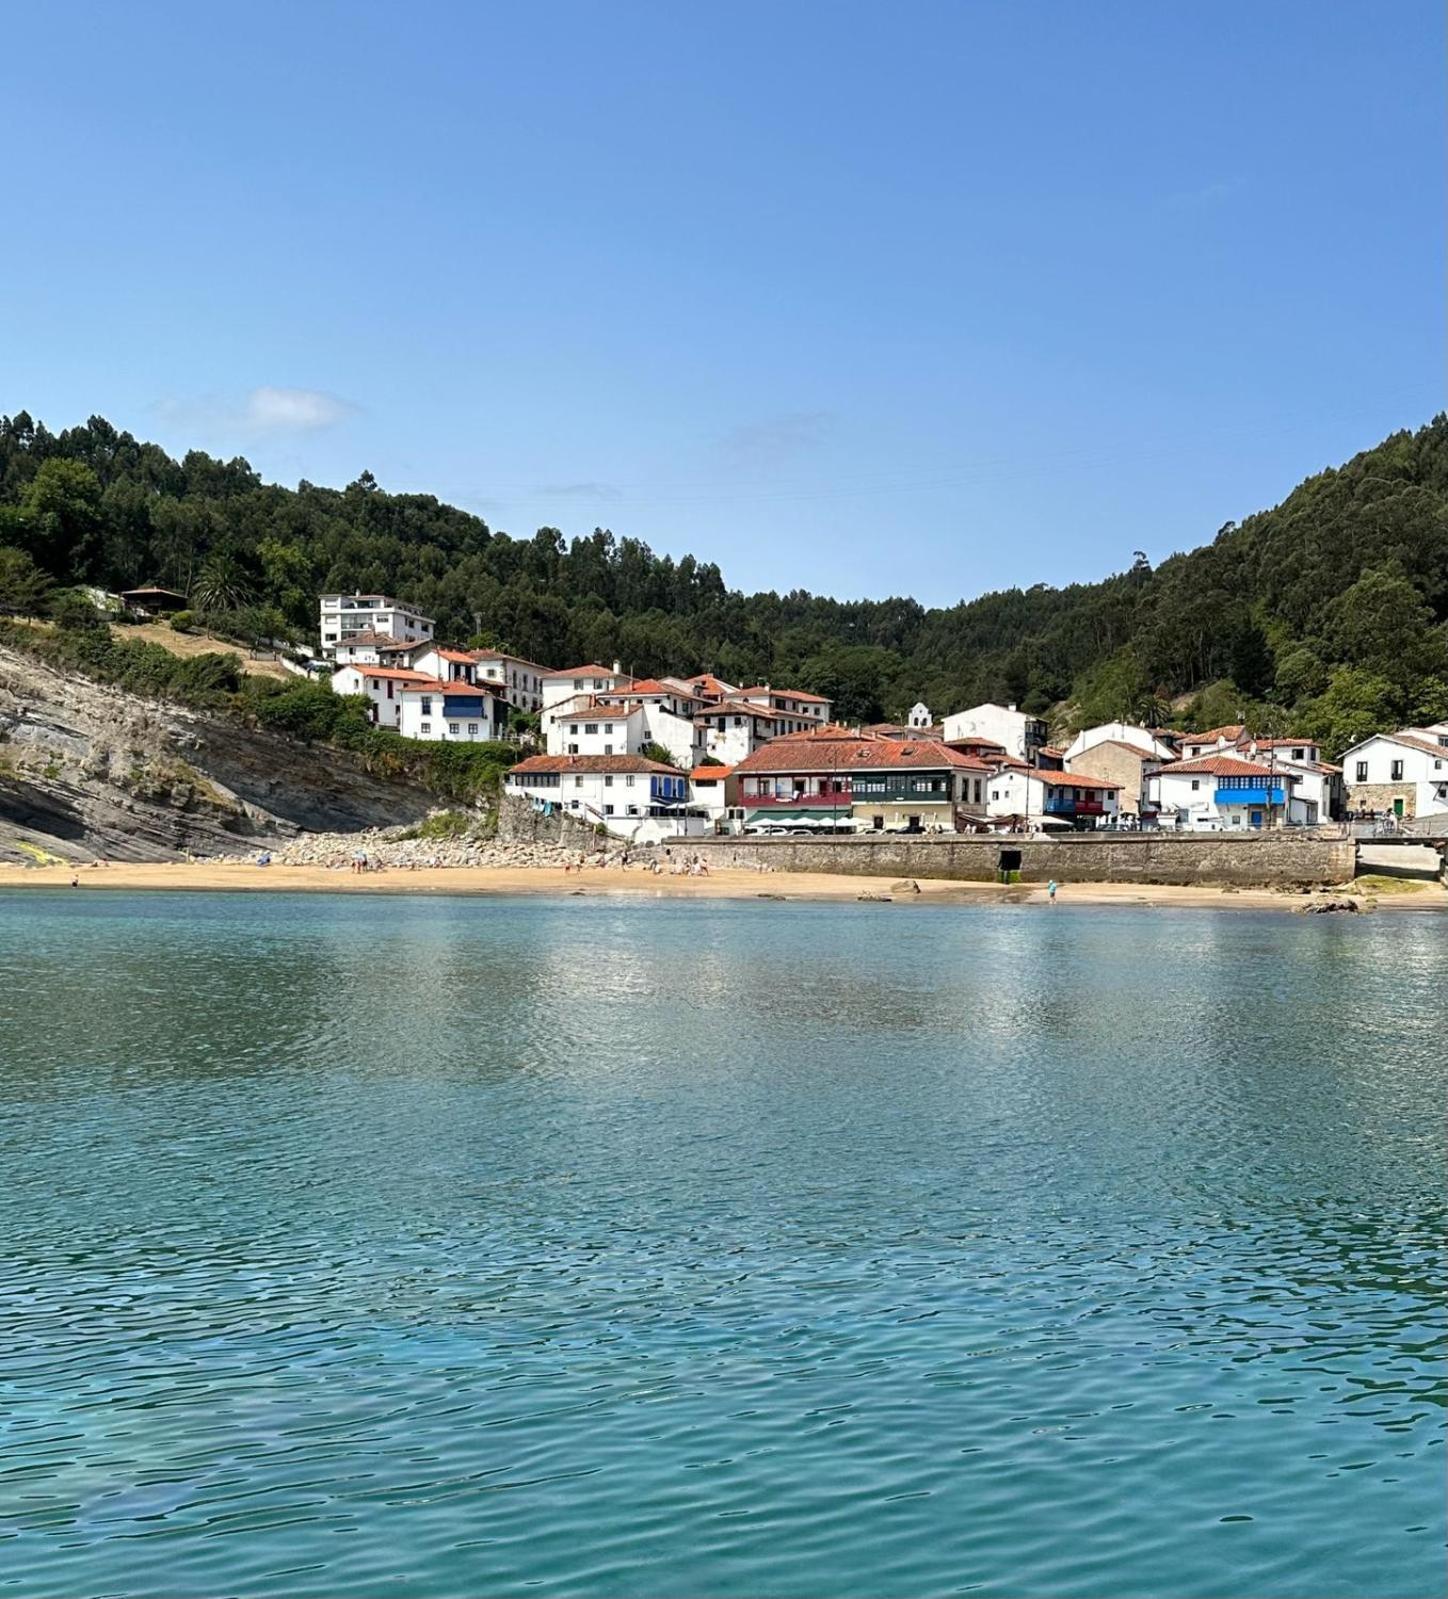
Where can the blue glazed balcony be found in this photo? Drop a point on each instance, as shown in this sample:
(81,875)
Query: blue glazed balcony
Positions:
(1250,796)
(1065,805)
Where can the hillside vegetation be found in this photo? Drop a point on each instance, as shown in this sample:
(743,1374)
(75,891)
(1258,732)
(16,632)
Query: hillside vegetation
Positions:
(1325,614)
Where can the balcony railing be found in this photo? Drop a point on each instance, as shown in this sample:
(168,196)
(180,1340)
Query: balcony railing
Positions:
(1249,796)
(838,800)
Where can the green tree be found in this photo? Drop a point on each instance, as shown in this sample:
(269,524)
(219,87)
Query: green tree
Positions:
(61,510)
(24,588)
(222,584)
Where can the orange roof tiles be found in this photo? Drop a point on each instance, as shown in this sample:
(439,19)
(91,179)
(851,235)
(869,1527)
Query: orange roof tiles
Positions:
(834,750)
(591,763)
(1217,766)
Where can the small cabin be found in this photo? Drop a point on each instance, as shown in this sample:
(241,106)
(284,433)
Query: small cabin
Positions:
(153,602)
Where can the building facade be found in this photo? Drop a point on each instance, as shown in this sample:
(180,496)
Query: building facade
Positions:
(1033,800)
(452,712)
(1018,734)
(341,616)
(629,795)
(1399,774)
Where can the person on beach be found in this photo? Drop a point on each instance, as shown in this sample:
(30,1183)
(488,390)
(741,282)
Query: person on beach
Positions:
(1051,888)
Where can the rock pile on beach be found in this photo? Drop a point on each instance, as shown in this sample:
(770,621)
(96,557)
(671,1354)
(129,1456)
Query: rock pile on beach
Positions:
(390,847)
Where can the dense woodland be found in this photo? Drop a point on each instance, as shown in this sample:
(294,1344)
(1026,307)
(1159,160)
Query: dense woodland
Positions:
(1326,615)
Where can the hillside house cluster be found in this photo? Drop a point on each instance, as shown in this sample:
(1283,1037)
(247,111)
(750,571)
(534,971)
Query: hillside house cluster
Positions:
(673,756)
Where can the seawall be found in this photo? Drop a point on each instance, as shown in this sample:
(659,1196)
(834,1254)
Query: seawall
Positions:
(1276,860)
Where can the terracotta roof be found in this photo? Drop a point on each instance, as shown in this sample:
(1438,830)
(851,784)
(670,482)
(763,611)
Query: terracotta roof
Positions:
(1053,750)
(503,655)
(652,685)
(1120,744)
(1073,779)
(383,671)
(782,693)
(1282,743)
(454,686)
(463,657)
(1232,732)
(710,774)
(591,763)
(1216,766)
(593,670)
(838,751)
(709,684)
(737,708)
(975,743)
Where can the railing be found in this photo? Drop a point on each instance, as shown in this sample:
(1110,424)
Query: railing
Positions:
(839,801)
(1249,796)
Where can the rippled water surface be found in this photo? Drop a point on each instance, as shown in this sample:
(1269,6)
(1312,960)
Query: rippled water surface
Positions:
(422,1246)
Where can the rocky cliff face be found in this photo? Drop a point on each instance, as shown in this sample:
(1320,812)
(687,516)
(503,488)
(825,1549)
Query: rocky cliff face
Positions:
(88,771)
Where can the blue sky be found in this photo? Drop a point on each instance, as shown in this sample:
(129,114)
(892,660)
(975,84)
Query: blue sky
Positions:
(932,298)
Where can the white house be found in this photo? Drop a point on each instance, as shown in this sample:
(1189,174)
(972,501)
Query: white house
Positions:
(1224,793)
(715,792)
(341,616)
(1196,745)
(382,688)
(591,679)
(373,649)
(1016,733)
(587,725)
(1404,774)
(794,710)
(522,681)
(454,712)
(1041,799)
(919,717)
(630,795)
(733,729)
(1120,733)
(443,662)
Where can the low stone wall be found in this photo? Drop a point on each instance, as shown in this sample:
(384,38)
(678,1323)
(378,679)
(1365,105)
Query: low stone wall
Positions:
(1286,860)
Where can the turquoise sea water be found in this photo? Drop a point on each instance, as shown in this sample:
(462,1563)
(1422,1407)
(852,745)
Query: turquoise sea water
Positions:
(428,1246)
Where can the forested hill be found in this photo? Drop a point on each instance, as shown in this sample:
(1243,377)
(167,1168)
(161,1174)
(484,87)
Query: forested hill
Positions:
(1325,614)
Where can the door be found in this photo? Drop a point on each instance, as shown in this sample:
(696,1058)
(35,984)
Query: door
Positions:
(1255,820)
(1397,807)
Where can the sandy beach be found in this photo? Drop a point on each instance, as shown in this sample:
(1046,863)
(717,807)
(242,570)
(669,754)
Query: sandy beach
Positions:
(246,876)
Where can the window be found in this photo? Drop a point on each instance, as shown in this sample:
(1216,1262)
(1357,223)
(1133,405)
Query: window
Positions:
(427,704)
(608,728)
(590,727)
(573,749)
(628,782)
(1395,772)
(578,782)
(573,729)
(472,729)
(1196,784)
(426,727)
(608,750)
(608,781)
(453,728)
(633,810)
(1297,754)
(1362,772)
(608,810)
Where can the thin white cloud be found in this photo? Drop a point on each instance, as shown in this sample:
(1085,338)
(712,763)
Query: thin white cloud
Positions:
(270,409)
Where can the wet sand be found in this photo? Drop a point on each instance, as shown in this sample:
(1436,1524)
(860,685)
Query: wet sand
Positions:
(246,876)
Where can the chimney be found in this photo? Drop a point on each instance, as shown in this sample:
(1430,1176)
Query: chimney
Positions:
(618,668)
(1011,706)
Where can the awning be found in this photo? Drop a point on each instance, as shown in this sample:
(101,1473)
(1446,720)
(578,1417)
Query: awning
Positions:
(803,813)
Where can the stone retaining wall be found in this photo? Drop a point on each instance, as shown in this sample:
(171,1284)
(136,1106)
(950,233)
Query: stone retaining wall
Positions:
(1274,860)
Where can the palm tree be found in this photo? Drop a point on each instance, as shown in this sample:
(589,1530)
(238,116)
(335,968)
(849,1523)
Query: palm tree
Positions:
(222,584)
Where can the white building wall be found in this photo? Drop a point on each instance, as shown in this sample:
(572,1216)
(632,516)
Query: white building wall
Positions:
(1120,733)
(339,615)
(383,694)
(595,730)
(479,718)
(1001,724)
(1372,763)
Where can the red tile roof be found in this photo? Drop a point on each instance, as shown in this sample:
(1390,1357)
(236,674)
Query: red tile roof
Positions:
(381,641)
(652,685)
(837,750)
(383,671)
(710,774)
(1216,766)
(594,670)
(1072,779)
(1231,733)
(453,686)
(591,763)
(737,708)
(782,693)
